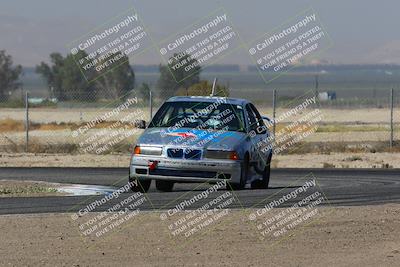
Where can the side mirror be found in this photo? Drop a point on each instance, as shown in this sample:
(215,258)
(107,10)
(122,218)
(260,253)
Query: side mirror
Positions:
(262,130)
(141,124)
(268,120)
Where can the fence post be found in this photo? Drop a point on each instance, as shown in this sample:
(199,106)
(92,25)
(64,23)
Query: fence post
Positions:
(151,104)
(274,110)
(316,86)
(391,117)
(26,122)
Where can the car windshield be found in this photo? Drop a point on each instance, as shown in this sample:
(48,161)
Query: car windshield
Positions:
(201,115)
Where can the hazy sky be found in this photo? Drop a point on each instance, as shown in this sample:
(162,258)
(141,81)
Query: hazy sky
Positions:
(363,31)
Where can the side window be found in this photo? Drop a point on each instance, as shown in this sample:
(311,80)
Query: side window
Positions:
(260,121)
(240,114)
(251,117)
(258,126)
(168,116)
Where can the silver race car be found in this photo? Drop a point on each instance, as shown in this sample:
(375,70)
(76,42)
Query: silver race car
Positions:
(203,139)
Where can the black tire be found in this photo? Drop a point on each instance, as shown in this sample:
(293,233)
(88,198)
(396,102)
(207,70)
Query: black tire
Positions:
(139,185)
(264,182)
(244,174)
(164,186)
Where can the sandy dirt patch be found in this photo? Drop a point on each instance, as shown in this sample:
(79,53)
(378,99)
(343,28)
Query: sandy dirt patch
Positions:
(70,115)
(336,160)
(345,236)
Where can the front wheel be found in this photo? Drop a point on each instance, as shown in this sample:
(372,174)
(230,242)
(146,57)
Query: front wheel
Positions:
(264,182)
(137,185)
(164,186)
(244,174)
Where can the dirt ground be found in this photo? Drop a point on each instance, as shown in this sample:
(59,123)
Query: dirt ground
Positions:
(343,236)
(64,137)
(336,160)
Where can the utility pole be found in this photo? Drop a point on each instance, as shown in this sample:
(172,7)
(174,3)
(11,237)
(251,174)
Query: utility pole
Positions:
(214,87)
(391,117)
(274,110)
(151,104)
(26,122)
(316,86)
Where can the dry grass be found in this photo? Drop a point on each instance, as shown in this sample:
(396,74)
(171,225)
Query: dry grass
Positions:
(353,158)
(340,128)
(332,128)
(328,165)
(10,125)
(25,189)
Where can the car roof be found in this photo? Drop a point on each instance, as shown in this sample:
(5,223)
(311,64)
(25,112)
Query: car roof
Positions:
(211,99)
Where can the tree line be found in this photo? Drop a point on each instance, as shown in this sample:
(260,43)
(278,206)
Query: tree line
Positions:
(66,82)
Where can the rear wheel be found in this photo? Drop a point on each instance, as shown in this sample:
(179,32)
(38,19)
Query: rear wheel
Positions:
(264,182)
(164,186)
(244,174)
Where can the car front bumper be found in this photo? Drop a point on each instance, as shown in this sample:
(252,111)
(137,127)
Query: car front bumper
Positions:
(185,170)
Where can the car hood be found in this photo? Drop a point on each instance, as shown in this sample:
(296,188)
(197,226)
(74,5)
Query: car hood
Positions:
(223,140)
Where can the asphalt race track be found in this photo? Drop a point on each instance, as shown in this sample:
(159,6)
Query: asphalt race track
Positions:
(339,186)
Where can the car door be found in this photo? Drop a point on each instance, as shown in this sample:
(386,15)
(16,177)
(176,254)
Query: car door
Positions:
(252,133)
(259,137)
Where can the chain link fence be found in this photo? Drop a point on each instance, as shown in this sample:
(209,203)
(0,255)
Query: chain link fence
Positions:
(64,127)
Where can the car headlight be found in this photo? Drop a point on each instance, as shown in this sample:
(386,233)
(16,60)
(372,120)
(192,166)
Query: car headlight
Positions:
(219,154)
(147,150)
